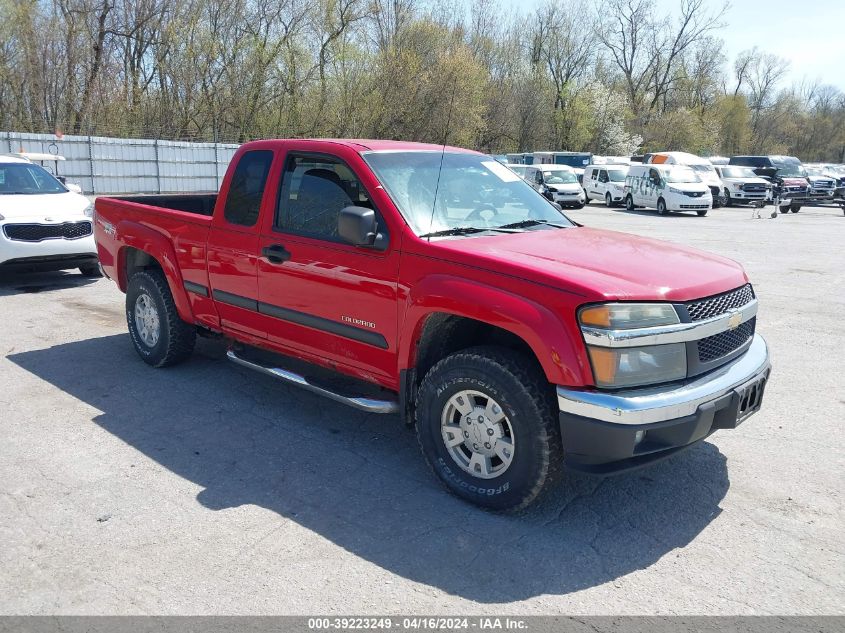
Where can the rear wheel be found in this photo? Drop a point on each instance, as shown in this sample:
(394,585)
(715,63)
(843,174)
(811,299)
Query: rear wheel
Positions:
(661,207)
(629,203)
(784,209)
(160,337)
(487,426)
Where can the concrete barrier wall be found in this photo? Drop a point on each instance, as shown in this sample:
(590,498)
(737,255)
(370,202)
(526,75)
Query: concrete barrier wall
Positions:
(102,165)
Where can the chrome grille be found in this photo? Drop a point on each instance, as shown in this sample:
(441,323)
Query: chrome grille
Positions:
(719,304)
(724,343)
(39,232)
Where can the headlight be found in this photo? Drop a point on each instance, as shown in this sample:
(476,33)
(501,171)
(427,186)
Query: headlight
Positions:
(634,366)
(88,211)
(673,190)
(628,316)
(737,186)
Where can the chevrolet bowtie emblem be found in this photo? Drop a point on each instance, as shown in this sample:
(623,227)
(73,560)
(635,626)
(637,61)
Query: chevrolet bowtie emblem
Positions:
(735,320)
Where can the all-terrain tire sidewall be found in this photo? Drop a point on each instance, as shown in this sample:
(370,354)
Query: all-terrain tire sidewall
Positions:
(537,454)
(176,338)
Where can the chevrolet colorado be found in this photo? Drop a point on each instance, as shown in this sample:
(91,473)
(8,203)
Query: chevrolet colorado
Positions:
(435,283)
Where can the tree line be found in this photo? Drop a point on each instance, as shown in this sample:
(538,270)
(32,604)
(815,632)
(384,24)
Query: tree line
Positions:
(607,76)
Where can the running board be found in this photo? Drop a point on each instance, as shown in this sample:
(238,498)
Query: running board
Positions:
(370,405)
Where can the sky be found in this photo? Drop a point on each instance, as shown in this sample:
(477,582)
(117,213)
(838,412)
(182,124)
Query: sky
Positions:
(810,34)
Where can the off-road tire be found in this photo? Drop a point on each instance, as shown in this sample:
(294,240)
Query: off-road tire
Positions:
(90,271)
(176,338)
(527,400)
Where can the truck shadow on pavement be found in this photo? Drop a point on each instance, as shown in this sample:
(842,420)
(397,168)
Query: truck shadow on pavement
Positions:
(359,480)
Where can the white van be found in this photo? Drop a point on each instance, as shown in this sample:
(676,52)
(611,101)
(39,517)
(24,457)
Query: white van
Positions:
(666,188)
(605,182)
(701,166)
(558,183)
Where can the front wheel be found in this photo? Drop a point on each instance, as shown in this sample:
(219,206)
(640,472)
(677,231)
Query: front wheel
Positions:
(608,201)
(487,426)
(160,337)
(784,209)
(728,201)
(701,213)
(629,203)
(90,271)
(795,208)
(661,207)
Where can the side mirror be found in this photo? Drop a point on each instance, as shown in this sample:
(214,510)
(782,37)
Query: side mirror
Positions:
(62,179)
(72,187)
(357,225)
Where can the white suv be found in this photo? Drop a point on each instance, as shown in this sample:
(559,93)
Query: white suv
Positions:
(43,225)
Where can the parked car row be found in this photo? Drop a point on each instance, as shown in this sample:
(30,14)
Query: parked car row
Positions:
(738,180)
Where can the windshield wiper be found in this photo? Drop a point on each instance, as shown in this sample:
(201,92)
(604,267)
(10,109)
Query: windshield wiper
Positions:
(526,223)
(457,230)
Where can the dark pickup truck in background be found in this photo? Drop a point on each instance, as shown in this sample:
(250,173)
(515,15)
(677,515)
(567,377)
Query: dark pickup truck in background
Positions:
(787,175)
(435,283)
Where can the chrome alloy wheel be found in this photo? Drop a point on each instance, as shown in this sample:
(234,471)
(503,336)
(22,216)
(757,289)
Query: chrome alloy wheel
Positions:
(146,320)
(477,434)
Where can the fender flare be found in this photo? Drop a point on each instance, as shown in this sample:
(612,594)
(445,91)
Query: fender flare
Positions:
(542,330)
(160,248)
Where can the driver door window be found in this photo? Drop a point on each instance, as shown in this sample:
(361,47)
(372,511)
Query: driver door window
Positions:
(313,193)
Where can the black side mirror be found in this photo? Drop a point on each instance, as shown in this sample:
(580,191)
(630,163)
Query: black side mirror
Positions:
(62,179)
(357,225)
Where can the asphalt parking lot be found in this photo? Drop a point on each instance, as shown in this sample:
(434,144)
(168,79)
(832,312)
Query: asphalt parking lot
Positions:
(207,489)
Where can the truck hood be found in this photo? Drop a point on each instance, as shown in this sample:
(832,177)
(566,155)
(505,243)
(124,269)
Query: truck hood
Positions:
(748,181)
(601,264)
(55,206)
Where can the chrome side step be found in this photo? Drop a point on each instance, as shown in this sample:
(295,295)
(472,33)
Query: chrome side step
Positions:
(369,405)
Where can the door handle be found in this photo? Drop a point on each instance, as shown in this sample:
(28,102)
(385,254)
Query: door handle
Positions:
(275,254)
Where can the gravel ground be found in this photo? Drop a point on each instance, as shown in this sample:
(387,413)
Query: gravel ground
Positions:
(208,489)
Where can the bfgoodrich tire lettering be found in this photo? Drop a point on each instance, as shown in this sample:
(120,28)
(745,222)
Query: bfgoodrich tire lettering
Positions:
(176,339)
(510,380)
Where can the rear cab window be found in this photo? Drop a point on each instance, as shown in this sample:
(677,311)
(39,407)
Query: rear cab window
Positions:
(243,201)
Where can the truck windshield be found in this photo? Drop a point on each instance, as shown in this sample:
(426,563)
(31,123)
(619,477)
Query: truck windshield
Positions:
(27,179)
(682,174)
(790,169)
(474,191)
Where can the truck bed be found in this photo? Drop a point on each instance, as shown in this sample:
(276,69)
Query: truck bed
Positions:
(199,203)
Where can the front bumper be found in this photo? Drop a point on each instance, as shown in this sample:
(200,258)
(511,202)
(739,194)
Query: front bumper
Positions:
(51,253)
(605,432)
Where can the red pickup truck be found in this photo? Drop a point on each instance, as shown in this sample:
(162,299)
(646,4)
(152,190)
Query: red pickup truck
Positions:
(434,282)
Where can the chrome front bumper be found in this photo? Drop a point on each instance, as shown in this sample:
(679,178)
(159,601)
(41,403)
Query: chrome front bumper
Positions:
(648,405)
